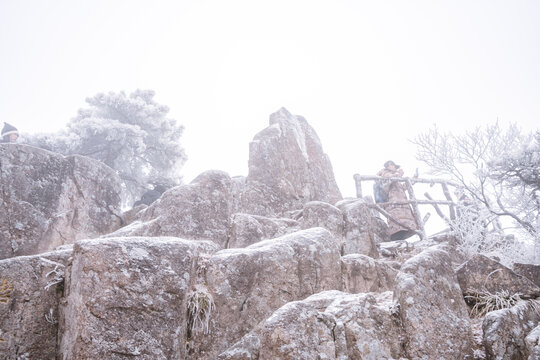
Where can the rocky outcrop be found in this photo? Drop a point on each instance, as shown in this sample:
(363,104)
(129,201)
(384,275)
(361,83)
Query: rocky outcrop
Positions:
(532,342)
(358,230)
(201,210)
(248,284)
(249,229)
(328,325)
(530,271)
(128,297)
(31,288)
(47,199)
(505,330)
(481,273)
(320,214)
(362,273)
(287,168)
(432,308)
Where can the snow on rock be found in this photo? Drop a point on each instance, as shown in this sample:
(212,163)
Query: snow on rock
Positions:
(505,330)
(128,297)
(532,341)
(49,199)
(321,214)
(249,229)
(433,311)
(359,229)
(30,291)
(482,273)
(248,284)
(287,168)
(530,271)
(327,325)
(362,273)
(199,210)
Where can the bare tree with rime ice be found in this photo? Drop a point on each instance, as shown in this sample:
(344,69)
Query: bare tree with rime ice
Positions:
(130,133)
(499,171)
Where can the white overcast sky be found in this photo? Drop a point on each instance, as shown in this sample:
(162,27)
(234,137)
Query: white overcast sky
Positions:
(367,75)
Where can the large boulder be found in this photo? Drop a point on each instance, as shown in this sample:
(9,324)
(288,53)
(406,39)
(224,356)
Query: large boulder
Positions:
(328,325)
(506,330)
(321,214)
(433,312)
(201,209)
(530,271)
(359,229)
(128,297)
(287,168)
(248,229)
(49,199)
(31,288)
(532,341)
(362,273)
(248,284)
(481,273)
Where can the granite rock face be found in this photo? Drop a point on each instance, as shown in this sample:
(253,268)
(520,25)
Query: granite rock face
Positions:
(482,273)
(506,331)
(532,341)
(127,297)
(248,284)
(433,311)
(201,210)
(362,273)
(287,168)
(49,200)
(31,288)
(358,230)
(328,325)
(249,229)
(320,214)
(530,271)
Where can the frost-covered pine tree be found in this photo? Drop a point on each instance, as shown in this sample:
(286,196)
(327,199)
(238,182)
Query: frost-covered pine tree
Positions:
(130,133)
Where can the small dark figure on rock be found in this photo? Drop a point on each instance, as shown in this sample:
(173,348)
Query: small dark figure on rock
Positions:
(401,212)
(10,134)
(151,195)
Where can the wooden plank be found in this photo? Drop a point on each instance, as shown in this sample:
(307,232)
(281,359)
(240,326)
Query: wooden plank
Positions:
(358,183)
(415,209)
(451,208)
(403,179)
(437,209)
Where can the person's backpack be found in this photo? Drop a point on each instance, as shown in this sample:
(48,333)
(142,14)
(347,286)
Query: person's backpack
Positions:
(380,192)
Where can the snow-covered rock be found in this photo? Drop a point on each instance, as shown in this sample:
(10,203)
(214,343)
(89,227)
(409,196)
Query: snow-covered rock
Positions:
(49,199)
(532,341)
(248,284)
(433,311)
(127,297)
(287,168)
(505,330)
(482,273)
(362,273)
(249,229)
(359,229)
(327,325)
(321,214)
(31,288)
(201,210)
(530,271)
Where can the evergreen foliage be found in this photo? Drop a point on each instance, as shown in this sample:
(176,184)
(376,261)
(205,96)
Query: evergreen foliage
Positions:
(130,133)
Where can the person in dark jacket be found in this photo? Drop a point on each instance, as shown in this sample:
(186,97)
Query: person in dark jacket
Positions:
(10,134)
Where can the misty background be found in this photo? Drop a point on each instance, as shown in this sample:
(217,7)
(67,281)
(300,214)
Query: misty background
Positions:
(367,75)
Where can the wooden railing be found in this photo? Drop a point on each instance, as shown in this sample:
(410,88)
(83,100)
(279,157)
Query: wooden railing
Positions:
(413,201)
